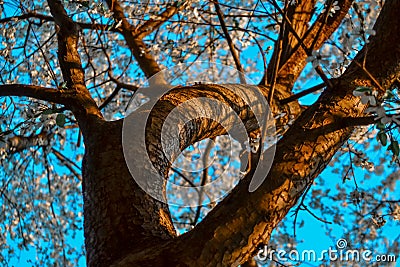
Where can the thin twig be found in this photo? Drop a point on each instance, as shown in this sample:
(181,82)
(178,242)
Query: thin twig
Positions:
(277,60)
(230,43)
(264,79)
(203,179)
(302,93)
(110,98)
(370,76)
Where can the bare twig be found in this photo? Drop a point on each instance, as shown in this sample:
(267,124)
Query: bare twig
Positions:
(277,60)
(230,42)
(204,179)
(67,163)
(302,93)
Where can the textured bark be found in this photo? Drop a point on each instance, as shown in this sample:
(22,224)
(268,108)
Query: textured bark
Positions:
(231,232)
(80,100)
(312,39)
(126,227)
(296,24)
(119,216)
(299,16)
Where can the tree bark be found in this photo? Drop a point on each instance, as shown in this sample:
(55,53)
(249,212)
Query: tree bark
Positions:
(119,217)
(126,227)
(231,232)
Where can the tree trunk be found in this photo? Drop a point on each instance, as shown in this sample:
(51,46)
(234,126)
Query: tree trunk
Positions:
(119,217)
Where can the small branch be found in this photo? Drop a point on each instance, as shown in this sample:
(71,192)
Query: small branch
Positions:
(264,78)
(302,93)
(323,76)
(370,76)
(67,163)
(315,216)
(151,25)
(110,98)
(185,179)
(38,92)
(60,155)
(296,211)
(230,43)
(146,61)
(132,88)
(204,179)
(277,60)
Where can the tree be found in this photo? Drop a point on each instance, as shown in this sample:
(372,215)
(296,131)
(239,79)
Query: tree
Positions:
(75,64)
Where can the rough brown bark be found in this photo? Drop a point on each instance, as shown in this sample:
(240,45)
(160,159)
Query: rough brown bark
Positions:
(231,232)
(119,216)
(312,39)
(296,21)
(125,226)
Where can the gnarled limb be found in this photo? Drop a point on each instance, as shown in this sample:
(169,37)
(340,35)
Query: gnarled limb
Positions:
(231,232)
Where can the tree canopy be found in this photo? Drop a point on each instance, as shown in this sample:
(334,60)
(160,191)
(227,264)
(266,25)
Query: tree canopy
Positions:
(101,98)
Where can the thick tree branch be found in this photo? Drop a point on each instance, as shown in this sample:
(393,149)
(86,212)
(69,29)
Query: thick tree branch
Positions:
(298,161)
(296,20)
(231,232)
(71,66)
(145,59)
(319,32)
(38,92)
